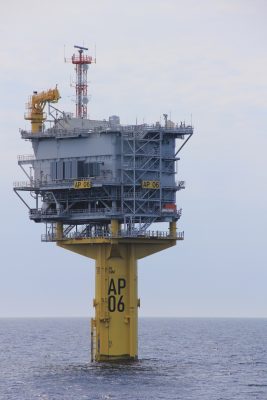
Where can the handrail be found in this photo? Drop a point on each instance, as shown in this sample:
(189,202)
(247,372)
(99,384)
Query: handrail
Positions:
(37,183)
(25,157)
(28,184)
(136,129)
(51,237)
(34,211)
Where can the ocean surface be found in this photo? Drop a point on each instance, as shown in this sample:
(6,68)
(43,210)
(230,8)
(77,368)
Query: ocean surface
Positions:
(203,359)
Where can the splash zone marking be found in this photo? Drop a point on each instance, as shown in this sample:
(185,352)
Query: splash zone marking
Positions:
(115,297)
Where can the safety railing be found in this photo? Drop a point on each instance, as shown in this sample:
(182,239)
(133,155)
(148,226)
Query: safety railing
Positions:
(37,183)
(24,184)
(62,213)
(61,133)
(52,237)
(100,212)
(55,132)
(181,129)
(138,130)
(26,157)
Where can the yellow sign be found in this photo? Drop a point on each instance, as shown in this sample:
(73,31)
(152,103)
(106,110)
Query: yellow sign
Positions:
(82,184)
(150,184)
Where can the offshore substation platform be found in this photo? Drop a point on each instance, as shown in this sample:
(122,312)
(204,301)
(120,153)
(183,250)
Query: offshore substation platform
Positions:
(98,186)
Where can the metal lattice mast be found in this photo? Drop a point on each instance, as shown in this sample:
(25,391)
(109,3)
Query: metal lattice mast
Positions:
(81,63)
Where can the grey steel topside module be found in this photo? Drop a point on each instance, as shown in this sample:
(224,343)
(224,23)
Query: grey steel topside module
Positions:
(98,186)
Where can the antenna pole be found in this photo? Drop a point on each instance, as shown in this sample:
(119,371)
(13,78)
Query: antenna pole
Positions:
(81,62)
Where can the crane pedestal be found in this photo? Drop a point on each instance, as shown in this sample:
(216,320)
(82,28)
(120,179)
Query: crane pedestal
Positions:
(114,328)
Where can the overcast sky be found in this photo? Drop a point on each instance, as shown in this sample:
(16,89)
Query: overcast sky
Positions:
(203,58)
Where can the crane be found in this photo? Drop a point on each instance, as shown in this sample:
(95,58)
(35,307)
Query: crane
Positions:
(36,107)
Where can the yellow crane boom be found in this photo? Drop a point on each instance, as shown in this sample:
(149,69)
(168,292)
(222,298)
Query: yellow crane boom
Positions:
(36,107)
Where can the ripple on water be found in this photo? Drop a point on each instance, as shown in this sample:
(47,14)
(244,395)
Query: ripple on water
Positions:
(179,359)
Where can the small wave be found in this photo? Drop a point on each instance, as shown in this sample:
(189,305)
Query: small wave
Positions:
(256,385)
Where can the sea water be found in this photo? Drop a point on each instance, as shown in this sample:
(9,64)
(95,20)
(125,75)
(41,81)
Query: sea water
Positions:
(200,359)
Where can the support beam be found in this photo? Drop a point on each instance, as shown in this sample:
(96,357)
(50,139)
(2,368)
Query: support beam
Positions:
(180,148)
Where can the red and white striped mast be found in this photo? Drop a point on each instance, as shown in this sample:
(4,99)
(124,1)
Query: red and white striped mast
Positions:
(81,62)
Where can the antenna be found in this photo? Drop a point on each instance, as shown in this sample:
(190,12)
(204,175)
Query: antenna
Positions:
(81,62)
(80,47)
(165,119)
